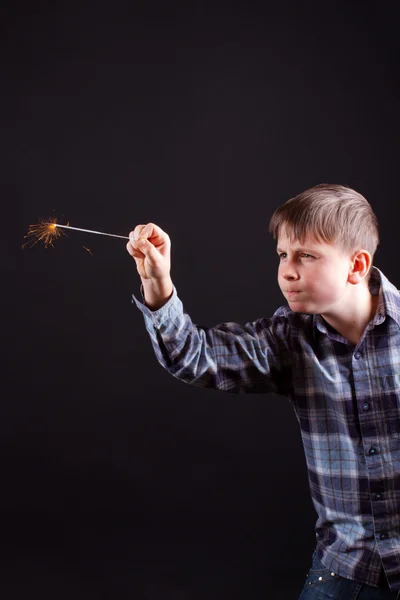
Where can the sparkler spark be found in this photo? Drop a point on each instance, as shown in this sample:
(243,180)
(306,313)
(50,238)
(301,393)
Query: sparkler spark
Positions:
(44,231)
(50,230)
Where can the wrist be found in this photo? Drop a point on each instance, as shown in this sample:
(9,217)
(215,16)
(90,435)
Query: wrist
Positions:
(157,292)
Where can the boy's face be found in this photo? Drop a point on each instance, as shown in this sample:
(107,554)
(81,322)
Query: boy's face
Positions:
(313,275)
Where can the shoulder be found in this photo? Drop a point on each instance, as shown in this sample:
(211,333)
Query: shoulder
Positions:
(287,323)
(297,319)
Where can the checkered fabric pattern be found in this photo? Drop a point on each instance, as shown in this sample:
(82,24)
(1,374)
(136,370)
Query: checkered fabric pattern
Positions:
(347,402)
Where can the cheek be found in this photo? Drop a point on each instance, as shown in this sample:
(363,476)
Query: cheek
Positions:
(280,278)
(314,282)
(325,286)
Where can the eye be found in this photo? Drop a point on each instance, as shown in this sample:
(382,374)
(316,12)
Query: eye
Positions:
(305,255)
(282,255)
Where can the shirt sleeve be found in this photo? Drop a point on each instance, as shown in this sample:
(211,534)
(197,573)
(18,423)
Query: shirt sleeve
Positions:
(251,358)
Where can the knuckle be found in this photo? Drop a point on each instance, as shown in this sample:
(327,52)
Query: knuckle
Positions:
(137,230)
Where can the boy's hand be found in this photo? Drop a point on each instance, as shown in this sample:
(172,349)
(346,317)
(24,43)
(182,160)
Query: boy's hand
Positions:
(150,247)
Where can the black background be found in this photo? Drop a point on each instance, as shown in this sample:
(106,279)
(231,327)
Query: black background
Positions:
(117,481)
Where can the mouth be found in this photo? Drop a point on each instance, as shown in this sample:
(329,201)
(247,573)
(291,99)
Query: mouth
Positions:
(292,295)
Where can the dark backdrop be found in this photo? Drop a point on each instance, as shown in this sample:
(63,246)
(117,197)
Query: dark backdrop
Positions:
(118,481)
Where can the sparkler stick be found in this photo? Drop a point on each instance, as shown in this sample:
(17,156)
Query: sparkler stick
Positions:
(122,237)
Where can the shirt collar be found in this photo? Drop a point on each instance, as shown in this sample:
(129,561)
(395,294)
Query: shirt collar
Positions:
(389,296)
(388,302)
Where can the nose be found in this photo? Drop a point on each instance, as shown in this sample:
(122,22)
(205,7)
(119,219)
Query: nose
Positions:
(289,272)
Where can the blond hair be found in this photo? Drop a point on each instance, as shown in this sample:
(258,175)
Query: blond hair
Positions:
(331,213)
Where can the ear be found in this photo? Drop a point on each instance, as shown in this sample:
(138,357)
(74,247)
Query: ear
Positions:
(359,266)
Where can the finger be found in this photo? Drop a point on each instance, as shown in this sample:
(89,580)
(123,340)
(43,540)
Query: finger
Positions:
(154,233)
(135,234)
(134,251)
(148,250)
(134,237)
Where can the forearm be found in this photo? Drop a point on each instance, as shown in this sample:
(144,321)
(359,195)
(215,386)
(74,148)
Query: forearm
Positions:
(157,292)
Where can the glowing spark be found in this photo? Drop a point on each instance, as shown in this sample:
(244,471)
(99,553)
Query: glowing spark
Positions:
(88,250)
(44,231)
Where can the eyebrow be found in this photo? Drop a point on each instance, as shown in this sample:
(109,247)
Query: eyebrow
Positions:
(299,249)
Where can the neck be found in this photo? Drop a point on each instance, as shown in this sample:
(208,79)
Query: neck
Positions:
(355,315)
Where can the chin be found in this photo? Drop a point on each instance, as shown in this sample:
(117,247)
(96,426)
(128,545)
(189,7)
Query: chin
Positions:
(301,307)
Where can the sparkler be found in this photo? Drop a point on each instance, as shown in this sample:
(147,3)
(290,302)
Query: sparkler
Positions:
(50,230)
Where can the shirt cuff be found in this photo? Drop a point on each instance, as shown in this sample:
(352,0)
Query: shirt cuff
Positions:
(157,317)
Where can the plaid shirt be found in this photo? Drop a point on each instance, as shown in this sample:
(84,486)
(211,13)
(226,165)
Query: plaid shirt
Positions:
(347,402)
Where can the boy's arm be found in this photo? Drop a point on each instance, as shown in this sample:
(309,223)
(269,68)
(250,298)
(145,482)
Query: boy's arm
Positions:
(251,358)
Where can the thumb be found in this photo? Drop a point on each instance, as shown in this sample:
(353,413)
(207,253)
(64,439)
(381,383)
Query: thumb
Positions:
(147,248)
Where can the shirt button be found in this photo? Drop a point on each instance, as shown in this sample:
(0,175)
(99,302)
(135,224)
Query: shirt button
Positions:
(373,451)
(378,496)
(365,406)
(357,355)
(383,536)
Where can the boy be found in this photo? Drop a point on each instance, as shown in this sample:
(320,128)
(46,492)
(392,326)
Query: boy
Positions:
(334,351)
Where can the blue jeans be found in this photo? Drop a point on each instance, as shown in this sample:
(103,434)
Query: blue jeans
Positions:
(322,584)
